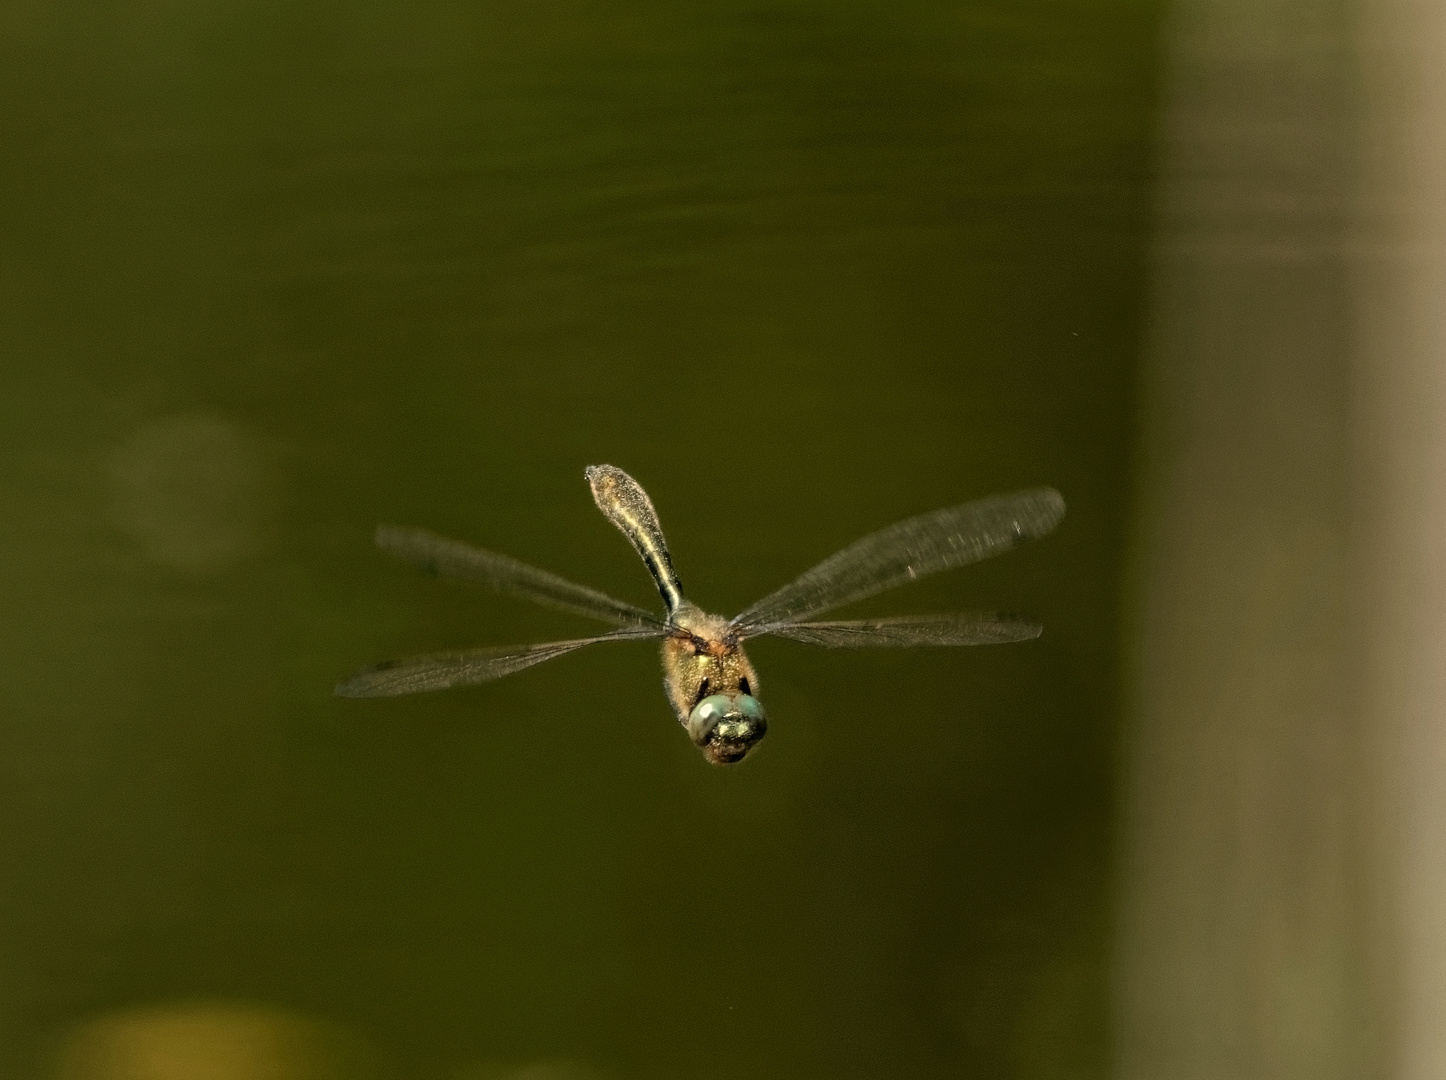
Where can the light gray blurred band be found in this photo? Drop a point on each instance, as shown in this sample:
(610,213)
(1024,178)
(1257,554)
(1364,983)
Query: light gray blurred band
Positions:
(1400,505)
(1238,952)
(1283,834)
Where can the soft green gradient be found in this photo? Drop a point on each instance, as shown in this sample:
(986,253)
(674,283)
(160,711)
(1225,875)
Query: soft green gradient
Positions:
(802,269)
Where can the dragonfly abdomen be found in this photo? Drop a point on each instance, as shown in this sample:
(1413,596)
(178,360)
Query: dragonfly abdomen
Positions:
(623,502)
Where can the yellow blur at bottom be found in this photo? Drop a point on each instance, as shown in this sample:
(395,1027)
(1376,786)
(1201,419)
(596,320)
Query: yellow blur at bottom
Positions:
(210,1042)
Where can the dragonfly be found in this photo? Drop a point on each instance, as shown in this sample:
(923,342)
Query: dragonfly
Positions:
(707,677)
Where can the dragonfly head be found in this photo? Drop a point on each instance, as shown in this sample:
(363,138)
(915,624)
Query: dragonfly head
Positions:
(725,727)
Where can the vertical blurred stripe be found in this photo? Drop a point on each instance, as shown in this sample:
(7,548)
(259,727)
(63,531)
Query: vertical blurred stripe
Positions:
(1283,851)
(1238,947)
(1400,388)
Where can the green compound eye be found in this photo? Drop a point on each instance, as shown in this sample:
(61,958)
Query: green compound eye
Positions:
(727,728)
(750,708)
(706,715)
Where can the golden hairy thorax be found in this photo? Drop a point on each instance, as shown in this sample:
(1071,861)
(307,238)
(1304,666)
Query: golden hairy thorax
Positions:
(701,657)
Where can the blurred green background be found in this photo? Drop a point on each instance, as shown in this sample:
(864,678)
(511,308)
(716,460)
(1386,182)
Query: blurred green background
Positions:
(271,273)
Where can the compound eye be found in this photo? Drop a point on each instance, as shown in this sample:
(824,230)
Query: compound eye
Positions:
(705,716)
(750,708)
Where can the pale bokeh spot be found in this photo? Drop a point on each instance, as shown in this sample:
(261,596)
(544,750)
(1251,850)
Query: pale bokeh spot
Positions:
(210,1042)
(198,493)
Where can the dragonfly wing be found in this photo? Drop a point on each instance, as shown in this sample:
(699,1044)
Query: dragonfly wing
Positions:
(957,629)
(454,559)
(906,551)
(466,667)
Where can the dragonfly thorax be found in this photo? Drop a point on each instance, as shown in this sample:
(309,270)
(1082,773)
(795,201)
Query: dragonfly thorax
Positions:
(711,685)
(710,633)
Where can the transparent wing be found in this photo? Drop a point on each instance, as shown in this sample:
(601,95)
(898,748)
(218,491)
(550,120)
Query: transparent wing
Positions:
(452,558)
(466,667)
(906,551)
(966,628)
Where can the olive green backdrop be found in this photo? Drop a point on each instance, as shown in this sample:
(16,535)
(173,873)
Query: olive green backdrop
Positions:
(271,273)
